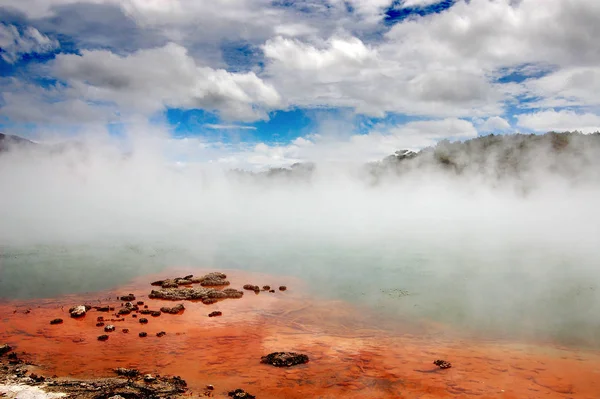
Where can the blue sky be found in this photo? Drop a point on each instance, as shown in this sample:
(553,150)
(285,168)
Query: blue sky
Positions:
(298,80)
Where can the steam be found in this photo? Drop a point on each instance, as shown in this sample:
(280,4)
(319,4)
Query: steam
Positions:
(509,252)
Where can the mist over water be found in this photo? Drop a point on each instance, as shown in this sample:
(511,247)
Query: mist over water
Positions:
(469,249)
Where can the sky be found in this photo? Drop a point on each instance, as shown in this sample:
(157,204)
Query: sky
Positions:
(256,83)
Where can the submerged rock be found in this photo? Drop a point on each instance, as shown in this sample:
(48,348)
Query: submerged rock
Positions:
(100,324)
(128,298)
(56,321)
(155,313)
(266,287)
(125,330)
(143,320)
(215,313)
(143,334)
(161,334)
(251,287)
(78,311)
(124,311)
(442,364)
(284,359)
(103,337)
(282,288)
(174,310)
(240,394)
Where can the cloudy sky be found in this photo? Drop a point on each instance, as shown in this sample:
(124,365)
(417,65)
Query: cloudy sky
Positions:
(256,82)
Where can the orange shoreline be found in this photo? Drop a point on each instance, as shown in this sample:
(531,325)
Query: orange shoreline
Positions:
(352,354)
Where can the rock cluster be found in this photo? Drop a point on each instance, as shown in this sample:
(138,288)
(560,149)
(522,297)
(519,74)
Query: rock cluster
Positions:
(210,280)
(206,295)
(284,359)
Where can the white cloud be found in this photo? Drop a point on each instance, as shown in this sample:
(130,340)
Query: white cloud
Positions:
(563,120)
(418,3)
(147,81)
(494,124)
(226,127)
(577,86)
(15,44)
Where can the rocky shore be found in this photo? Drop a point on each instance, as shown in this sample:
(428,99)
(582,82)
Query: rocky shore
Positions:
(21,378)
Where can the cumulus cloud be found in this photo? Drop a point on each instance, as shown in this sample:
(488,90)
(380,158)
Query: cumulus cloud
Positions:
(14,43)
(150,80)
(494,124)
(563,120)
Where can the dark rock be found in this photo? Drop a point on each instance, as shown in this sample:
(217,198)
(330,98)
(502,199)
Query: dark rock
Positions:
(145,311)
(103,308)
(140,303)
(143,320)
(37,378)
(169,284)
(161,334)
(215,313)
(194,293)
(240,394)
(4,349)
(129,373)
(109,328)
(155,313)
(174,310)
(257,291)
(284,359)
(125,330)
(213,282)
(271,291)
(188,277)
(282,288)
(103,337)
(233,293)
(56,321)
(266,287)
(143,334)
(251,287)
(100,324)
(78,311)
(210,387)
(99,318)
(209,301)
(134,316)
(157,283)
(128,298)
(145,306)
(124,311)
(442,364)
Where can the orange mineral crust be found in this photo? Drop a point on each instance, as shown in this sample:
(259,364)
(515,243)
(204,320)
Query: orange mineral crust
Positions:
(352,353)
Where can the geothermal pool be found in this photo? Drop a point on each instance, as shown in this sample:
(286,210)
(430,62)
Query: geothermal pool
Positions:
(370,332)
